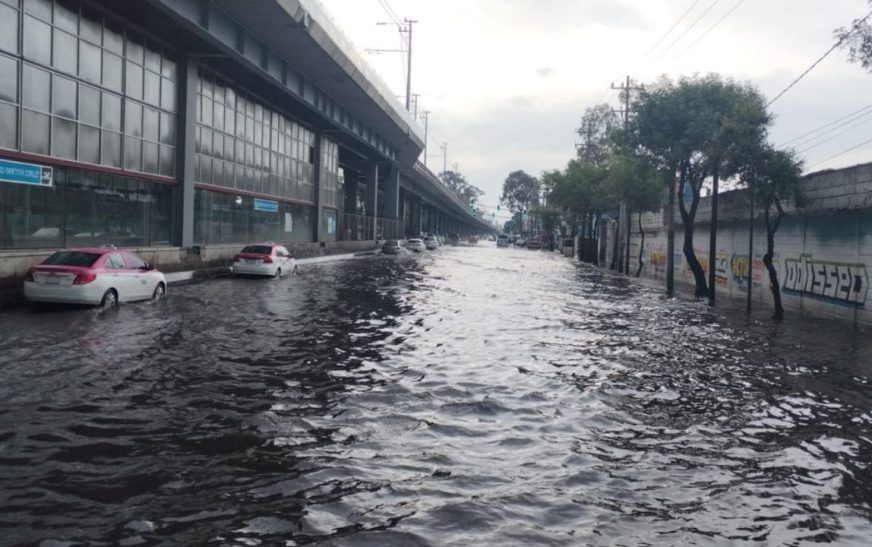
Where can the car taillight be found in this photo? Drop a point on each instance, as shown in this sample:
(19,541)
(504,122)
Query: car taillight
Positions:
(236,258)
(85,278)
(29,276)
(267,259)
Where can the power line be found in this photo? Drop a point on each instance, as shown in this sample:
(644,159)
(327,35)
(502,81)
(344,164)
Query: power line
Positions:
(668,32)
(389,11)
(824,56)
(688,29)
(813,131)
(864,143)
(711,28)
(839,134)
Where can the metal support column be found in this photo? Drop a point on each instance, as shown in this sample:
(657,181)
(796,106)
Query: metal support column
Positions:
(372,197)
(187,126)
(320,229)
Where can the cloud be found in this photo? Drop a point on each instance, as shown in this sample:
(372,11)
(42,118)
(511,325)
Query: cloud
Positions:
(553,15)
(546,72)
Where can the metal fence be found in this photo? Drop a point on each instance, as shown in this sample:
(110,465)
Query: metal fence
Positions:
(364,228)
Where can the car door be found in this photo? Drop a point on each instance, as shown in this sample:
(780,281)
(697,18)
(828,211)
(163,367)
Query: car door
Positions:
(141,288)
(116,270)
(285,259)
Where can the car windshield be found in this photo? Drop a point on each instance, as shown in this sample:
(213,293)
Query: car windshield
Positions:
(258,249)
(71,258)
(392,244)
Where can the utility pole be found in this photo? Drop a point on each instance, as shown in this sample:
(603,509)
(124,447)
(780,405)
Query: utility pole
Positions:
(444,157)
(624,213)
(415,97)
(409,23)
(426,115)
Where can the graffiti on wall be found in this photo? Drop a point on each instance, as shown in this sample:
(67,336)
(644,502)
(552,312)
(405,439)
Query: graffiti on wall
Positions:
(836,281)
(722,268)
(739,270)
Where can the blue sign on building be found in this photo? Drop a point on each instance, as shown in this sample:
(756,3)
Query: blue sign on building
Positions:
(25,173)
(266,205)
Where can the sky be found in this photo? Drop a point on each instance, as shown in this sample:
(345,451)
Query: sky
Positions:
(507,81)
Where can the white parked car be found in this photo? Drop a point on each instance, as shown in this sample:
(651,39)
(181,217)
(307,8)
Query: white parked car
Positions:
(416,245)
(94,276)
(431,243)
(264,259)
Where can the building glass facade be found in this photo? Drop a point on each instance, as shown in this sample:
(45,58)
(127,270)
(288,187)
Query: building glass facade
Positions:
(85,88)
(221,217)
(332,183)
(83,209)
(242,144)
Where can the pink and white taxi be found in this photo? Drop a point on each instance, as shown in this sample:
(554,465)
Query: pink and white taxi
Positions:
(264,259)
(94,276)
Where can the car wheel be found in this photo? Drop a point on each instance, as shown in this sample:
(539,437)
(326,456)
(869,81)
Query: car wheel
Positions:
(110,299)
(278,273)
(159,292)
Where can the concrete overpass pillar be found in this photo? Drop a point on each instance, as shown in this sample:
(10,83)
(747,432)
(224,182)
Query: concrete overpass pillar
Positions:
(372,197)
(392,202)
(319,185)
(185,152)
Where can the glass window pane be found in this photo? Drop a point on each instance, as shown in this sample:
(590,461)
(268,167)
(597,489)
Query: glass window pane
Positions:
(168,69)
(132,118)
(66,15)
(110,149)
(38,223)
(152,60)
(8,29)
(218,117)
(37,40)
(89,105)
(133,87)
(111,112)
(150,124)
(34,132)
(91,26)
(40,8)
(161,213)
(167,161)
(111,71)
(149,157)
(89,144)
(113,38)
(8,126)
(132,154)
(63,97)
(206,111)
(65,48)
(90,60)
(63,138)
(152,88)
(168,95)
(167,129)
(36,88)
(134,49)
(9,79)
(206,142)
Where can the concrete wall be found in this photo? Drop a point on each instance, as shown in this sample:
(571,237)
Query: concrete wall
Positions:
(823,248)
(210,260)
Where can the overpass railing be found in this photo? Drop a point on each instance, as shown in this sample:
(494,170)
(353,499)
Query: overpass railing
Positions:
(354,227)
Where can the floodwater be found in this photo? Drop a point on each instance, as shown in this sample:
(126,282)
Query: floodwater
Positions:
(472,396)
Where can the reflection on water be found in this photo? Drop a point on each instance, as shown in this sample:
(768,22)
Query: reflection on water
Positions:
(497,396)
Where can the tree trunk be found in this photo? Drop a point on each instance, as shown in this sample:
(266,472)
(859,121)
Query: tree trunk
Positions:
(774,285)
(687,219)
(627,250)
(641,246)
(713,238)
(670,231)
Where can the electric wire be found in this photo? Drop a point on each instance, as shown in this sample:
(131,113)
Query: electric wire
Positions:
(673,27)
(842,153)
(859,117)
(839,134)
(711,28)
(688,29)
(820,60)
(813,131)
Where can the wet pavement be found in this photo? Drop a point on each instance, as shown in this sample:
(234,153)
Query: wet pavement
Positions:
(469,396)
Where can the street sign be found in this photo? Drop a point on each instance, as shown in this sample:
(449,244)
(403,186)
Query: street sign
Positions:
(25,173)
(266,205)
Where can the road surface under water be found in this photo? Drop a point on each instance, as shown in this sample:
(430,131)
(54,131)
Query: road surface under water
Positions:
(472,396)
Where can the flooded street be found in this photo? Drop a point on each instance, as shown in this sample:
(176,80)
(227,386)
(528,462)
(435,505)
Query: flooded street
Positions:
(468,396)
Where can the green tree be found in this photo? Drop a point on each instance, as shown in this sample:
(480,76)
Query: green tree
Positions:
(460,186)
(692,129)
(857,39)
(520,191)
(597,126)
(772,177)
(550,220)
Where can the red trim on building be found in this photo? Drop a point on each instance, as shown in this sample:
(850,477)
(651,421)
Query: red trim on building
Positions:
(236,191)
(49,160)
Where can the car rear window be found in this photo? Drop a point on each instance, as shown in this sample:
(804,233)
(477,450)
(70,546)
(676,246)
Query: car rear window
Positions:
(71,258)
(258,249)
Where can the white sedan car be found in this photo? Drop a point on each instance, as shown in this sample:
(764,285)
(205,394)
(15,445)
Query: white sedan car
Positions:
(265,259)
(431,243)
(415,245)
(101,276)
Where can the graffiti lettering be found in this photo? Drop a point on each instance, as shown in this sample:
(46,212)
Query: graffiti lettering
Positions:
(846,283)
